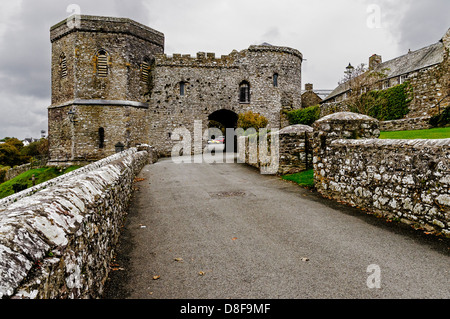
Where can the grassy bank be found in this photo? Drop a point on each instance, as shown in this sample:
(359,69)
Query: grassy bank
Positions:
(434,133)
(41,175)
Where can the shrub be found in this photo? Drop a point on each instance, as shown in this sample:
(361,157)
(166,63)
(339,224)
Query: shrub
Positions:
(3,174)
(441,119)
(385,105)
(305,116)
(252,120)
(18,187)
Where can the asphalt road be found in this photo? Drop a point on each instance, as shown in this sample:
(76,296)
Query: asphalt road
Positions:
(219,231)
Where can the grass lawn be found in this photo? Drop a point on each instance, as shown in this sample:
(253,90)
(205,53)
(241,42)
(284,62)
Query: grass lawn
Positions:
(434,133)
(305,178)
(41,175)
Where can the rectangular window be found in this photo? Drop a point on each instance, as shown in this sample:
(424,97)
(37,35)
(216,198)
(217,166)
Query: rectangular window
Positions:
(182,88)
(403,78)
(101,137)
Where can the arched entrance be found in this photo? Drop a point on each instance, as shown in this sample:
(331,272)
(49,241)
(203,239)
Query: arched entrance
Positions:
(223,119)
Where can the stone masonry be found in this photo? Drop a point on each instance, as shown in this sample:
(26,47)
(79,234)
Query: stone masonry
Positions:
(57,240)
(113,85)
(407,180)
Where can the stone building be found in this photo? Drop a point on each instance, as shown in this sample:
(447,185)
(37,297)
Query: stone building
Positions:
(113,87)
(309,97)
(426,69)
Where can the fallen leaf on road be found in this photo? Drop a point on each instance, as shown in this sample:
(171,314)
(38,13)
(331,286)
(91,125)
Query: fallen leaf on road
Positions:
(201,273)
(139,179)
(156,277)
(305,259)
(179,259)
(234,238)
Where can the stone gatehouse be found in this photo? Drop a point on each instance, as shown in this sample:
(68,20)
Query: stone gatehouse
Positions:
(113,87)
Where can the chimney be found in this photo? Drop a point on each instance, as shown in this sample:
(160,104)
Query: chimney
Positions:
(308,87)
(374,60)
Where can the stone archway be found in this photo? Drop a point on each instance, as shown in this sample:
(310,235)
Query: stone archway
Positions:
(223,119)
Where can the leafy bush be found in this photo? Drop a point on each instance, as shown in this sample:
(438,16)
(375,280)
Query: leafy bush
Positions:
(252,120)
(3,171)
(18,187)
(441,119)
(305,116)
(386,105)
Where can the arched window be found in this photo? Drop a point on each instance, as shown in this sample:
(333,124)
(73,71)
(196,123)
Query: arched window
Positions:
(275,80)
(63,65)
(101,137)
(102,63)
(244,92)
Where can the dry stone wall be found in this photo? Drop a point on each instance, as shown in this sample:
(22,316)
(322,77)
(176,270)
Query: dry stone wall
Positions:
(408,180)
(407,124)
(294,152)
(58,241)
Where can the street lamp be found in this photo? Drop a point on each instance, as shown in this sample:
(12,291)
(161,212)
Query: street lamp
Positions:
(349,69)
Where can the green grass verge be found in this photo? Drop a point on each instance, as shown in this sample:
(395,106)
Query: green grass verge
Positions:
(41,175)
(434,133)
(305,178)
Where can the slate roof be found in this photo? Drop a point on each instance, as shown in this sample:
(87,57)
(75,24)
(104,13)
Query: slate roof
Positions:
(412,61)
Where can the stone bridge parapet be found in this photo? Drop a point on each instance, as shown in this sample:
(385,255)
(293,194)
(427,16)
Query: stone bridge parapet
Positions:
(57,240)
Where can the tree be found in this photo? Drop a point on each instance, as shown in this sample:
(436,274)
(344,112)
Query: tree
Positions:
(9,155)
(252,120)
(357,82)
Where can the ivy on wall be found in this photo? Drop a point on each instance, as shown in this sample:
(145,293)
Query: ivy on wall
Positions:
(389,104)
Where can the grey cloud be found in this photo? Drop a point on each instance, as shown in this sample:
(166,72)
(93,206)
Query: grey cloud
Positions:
(425,22)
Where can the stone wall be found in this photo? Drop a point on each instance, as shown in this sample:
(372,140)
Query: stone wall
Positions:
(430,86)
(408,180)
(57,240)
(120,123)
(407,124)
(212,84)
(333,107)
(294,150)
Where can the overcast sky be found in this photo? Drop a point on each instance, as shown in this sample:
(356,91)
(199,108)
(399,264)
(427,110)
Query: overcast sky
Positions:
(329,33)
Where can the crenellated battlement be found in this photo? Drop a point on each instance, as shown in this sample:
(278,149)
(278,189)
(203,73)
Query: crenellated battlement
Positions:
(202,59)
(208,59)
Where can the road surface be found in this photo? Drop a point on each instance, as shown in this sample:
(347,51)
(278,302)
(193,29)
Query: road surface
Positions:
(218,231)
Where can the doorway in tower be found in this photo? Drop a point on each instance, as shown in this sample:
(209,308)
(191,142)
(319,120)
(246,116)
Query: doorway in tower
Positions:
(222,120)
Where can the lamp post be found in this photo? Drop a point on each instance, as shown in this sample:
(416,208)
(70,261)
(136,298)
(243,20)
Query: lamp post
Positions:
(349,71)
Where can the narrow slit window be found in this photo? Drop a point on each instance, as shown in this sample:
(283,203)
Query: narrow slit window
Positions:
(102,63)
(275,80)
(145,71)
(101,137)
(244,92)
(182,88)
(63,65)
